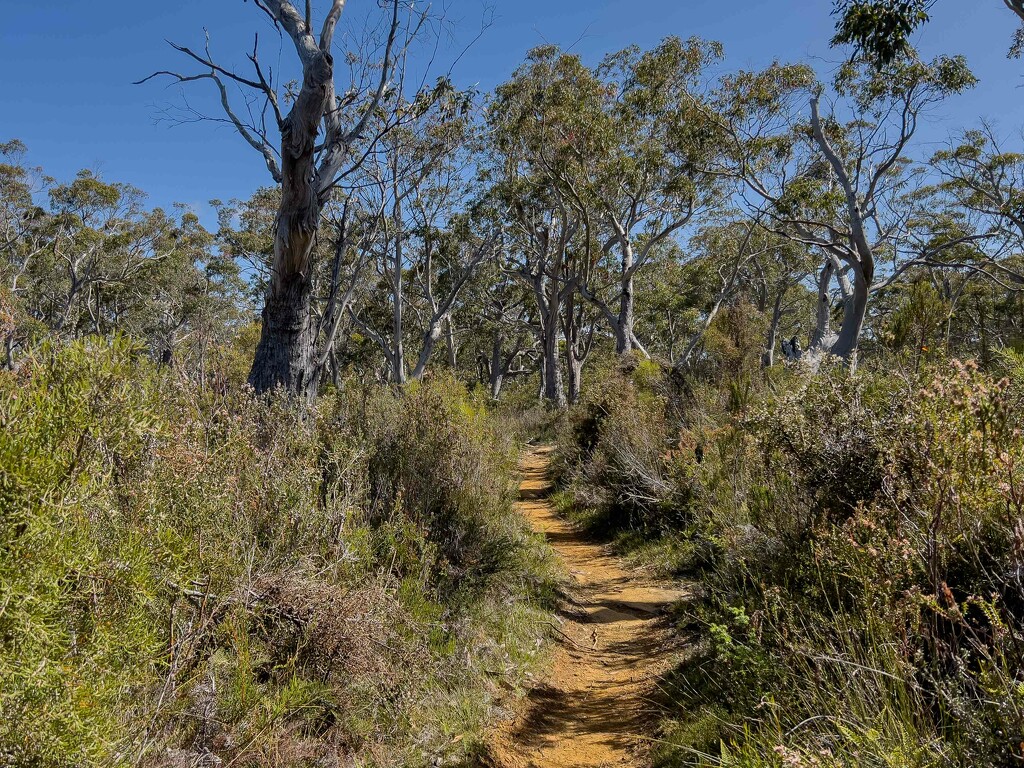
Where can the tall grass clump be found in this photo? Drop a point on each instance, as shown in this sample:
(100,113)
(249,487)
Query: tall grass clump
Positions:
(190,577)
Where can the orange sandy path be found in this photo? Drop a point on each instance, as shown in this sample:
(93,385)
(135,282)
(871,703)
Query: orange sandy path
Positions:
(593,707)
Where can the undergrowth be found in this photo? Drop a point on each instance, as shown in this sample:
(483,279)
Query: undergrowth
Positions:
(199,578)
(857,551)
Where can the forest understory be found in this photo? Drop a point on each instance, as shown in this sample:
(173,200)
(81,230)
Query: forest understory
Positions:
(197,578)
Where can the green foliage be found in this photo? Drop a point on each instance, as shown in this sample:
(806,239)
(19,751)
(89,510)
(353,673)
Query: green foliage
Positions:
(187,574)
(858,543)
(880,29)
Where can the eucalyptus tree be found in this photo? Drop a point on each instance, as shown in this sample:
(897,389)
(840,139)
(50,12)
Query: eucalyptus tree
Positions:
(647,183)
(839,186)
(579,323)
(192,301)
(980,175)
(103,255)
(25,232)
(536,246)
(940,310)
(87,257)
(337,266)
(963,229)
(429,243)
(496,318)
(722,253)
(774,277)
(881,29)
(310,137)
(542,133)
(663,301)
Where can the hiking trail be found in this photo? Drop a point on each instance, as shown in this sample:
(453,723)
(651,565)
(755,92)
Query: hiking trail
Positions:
(593,705)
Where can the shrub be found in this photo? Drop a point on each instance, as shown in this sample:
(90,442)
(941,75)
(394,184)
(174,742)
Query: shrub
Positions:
(192,575)
(860,548)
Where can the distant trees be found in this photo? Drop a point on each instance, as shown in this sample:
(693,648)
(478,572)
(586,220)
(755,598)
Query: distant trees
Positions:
(649,185)
(634,207)
(86,257)
(427,245)
(595,169)
(839,188)
(981,177)
(540,124)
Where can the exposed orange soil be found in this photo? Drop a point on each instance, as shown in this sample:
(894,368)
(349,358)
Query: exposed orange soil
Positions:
(593,707)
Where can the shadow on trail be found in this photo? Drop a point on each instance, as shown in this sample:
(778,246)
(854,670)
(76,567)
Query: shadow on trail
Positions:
(596,702)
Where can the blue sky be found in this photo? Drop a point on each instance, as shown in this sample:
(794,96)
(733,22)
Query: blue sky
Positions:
(68,68)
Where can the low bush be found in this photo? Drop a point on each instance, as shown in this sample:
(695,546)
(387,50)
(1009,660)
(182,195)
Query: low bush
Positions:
(858,547)
(197,578)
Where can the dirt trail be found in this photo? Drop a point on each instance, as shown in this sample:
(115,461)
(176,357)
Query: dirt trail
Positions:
(593,707)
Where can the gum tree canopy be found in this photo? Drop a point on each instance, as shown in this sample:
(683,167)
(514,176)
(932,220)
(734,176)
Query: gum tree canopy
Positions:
(881,29)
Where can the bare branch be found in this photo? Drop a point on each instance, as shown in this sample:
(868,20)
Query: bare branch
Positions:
(208,62)
(335,143)
(327,32)
(264,84)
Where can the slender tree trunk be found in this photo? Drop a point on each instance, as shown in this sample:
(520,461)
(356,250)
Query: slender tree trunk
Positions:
(624,329)
(773,330)
(823,311)
(553,389)
(862,263)
(575,351)
(453,349)
(542,385)
(335,368)
(574,369)
(697,337)
(497,373)
(398,374)
(548,305)
(69,303)
(430,339)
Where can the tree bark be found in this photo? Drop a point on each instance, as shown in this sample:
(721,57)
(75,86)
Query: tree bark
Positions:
(284,356)
(554,392)
(574,369)
(854,312)
(773,330)
(546,294)
(573,360)
(624,329)
(453,348)
(861,258)
(430,339)
(497,371)
(823,310)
